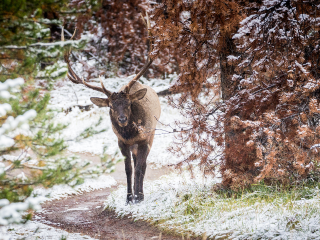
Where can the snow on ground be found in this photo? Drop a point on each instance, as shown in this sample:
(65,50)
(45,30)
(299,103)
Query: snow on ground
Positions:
(29,231)
(159,195)
(62,191)
(182,204)
(67,95)
(34,230)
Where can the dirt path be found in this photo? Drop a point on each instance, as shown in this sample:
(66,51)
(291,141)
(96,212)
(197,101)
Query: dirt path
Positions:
(83,213)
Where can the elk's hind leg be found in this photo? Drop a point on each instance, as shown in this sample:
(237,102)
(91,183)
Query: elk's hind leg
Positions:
(144,166)
(125,150)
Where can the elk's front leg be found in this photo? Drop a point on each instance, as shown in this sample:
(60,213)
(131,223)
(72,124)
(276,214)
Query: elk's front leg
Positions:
(139,171)
(125,150)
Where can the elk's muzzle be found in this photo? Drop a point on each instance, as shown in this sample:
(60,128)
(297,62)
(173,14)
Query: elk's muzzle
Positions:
(123,120)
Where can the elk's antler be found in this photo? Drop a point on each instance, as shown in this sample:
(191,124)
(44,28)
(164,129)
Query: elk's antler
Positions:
(149,61)
(74,77)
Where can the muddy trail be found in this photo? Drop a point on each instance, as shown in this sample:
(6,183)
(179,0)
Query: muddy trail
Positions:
(83,213)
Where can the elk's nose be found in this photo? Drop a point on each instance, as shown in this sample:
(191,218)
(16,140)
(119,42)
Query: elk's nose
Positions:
(122,119)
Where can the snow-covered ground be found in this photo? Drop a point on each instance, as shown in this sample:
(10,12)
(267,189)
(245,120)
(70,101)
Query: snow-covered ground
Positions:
(184,204)
(35,230)
(63,191)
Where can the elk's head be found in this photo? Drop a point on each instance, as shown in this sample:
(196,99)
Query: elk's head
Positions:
(119,103)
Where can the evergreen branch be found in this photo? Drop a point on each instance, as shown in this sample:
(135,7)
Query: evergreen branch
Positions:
(59,43)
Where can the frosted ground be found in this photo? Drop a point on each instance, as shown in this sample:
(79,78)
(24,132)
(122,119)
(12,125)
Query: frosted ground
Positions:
(176,201)
(35,230)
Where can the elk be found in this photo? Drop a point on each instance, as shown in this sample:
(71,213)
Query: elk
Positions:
(134,111)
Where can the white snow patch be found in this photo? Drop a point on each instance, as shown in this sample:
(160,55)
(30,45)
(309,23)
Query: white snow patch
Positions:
(63,191)
(77,209)
(315,146)
(34,230)
(160,195)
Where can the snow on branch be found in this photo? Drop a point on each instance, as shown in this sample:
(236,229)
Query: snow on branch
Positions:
(13,212)
(12,123)
(73,43)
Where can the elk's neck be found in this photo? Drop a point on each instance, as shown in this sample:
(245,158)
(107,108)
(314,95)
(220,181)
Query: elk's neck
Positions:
(128,132)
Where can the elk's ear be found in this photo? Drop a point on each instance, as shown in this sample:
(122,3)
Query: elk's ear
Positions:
(100,102)
(138,94)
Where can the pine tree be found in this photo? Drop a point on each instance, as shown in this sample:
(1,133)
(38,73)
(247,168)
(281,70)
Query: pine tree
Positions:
(26,123)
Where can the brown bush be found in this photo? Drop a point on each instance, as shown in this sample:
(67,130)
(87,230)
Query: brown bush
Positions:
(267,57)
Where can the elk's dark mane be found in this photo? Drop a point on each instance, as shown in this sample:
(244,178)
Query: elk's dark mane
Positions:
(127,132)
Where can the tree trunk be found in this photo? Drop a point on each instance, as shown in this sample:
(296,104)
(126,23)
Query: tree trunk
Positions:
(238,156)
(228,86)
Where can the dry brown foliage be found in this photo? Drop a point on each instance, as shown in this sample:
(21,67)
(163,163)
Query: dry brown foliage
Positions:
(276,110)
(199,35)
(195,34)
(267,57)
(120,37)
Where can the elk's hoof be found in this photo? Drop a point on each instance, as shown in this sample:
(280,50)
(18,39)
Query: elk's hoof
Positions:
(138,198)
(129,199)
